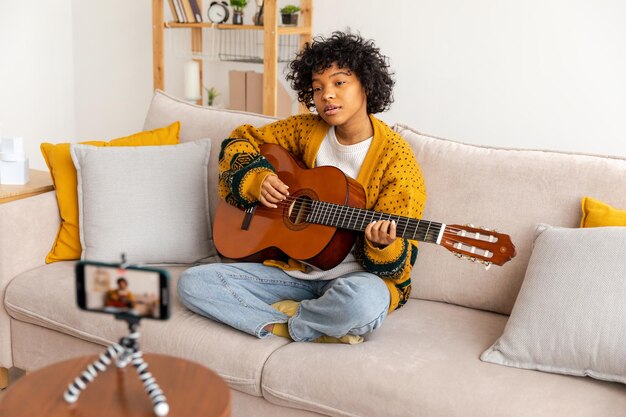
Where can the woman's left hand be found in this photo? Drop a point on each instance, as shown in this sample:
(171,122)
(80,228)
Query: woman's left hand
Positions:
(381,233)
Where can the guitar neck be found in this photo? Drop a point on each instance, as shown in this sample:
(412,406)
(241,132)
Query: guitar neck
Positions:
(357,219)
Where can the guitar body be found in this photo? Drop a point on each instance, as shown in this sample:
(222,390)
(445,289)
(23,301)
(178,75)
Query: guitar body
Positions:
(278,233)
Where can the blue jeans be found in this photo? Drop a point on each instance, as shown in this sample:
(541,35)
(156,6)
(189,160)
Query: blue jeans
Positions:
(241,295)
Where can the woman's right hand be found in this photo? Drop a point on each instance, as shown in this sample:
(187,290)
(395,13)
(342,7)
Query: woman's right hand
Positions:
(273,191)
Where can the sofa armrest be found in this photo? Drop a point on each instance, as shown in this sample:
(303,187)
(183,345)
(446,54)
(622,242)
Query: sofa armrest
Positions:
(28,228)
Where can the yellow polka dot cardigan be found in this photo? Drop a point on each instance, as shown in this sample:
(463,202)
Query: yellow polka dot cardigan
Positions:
(390,175)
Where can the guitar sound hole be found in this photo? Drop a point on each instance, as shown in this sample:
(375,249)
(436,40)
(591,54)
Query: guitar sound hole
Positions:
(299,210)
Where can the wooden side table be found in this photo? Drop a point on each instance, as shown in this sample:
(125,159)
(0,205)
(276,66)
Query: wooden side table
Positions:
(191,390)
(39,182)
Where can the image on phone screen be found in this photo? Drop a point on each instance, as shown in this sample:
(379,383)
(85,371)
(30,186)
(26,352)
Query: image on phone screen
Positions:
(116,290)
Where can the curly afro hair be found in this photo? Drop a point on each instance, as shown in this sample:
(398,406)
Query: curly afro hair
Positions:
(349,51)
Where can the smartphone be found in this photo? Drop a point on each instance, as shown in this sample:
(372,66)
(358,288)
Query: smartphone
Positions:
(132,290)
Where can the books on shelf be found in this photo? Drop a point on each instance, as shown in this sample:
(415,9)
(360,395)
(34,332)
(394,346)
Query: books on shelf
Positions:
(195,8)
(176,12)
(186,11)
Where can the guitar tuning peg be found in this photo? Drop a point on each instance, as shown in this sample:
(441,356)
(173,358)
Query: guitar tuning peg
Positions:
(487,265)
(469,258)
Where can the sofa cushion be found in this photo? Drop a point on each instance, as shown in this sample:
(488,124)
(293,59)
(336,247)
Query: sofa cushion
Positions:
(150,202)
(597,213)
(510,190)
(424,361)
(573,300)
(57,156)
(197,122)
(236,356)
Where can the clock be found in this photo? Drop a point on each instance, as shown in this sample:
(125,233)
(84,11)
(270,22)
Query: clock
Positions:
(218,12)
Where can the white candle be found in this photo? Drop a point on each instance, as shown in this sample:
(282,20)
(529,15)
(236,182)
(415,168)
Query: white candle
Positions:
(192,80)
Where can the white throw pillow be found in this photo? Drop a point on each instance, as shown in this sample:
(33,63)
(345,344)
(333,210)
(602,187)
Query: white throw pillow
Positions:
(570,314)
(197,122)
(149,202)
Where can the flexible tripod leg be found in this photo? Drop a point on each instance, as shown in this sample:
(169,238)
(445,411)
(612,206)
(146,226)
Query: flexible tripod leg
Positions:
(124,352)
(133,355)
(159,402)
(99,365)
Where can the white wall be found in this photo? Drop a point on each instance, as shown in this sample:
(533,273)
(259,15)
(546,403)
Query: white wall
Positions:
(535,73)
(36,73)
(113,66)
(73,70)
(541,74)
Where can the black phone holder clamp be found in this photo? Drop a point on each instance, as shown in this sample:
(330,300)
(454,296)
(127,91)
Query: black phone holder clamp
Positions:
(124,352)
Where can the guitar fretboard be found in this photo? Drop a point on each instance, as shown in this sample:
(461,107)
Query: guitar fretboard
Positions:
(357,219)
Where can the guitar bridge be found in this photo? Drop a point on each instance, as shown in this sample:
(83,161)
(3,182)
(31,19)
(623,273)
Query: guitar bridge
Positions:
(247,218)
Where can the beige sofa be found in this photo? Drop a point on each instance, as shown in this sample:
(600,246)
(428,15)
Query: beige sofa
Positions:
(424,361)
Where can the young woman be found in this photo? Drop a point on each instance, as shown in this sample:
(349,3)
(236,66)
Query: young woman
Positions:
(345,79)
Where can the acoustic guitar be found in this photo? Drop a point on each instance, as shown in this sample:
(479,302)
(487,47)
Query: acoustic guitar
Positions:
(319,222)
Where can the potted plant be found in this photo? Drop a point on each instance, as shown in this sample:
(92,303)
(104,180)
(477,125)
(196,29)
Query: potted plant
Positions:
(238,6)
(211,94)
(289,15)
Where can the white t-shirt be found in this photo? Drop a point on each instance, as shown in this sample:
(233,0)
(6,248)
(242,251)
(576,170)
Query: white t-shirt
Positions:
(349,159)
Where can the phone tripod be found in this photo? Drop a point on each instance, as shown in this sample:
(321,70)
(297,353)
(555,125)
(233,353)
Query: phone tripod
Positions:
(124,352)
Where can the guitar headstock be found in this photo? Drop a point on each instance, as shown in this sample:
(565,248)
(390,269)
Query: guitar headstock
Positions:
(478,245)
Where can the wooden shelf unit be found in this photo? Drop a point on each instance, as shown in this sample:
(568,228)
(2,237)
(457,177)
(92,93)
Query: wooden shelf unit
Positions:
(270,29)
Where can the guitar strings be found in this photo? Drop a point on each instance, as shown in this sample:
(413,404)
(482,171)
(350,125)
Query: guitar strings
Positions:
(334,212)
(305,209)
(360,216)
(450,233)
(450,237)
(469,253)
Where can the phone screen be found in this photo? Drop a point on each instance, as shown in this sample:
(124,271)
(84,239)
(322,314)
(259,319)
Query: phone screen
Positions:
(111,289)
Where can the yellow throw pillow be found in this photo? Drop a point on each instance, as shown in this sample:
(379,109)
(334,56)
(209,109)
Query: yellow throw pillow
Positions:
(67,244)
(598,214)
